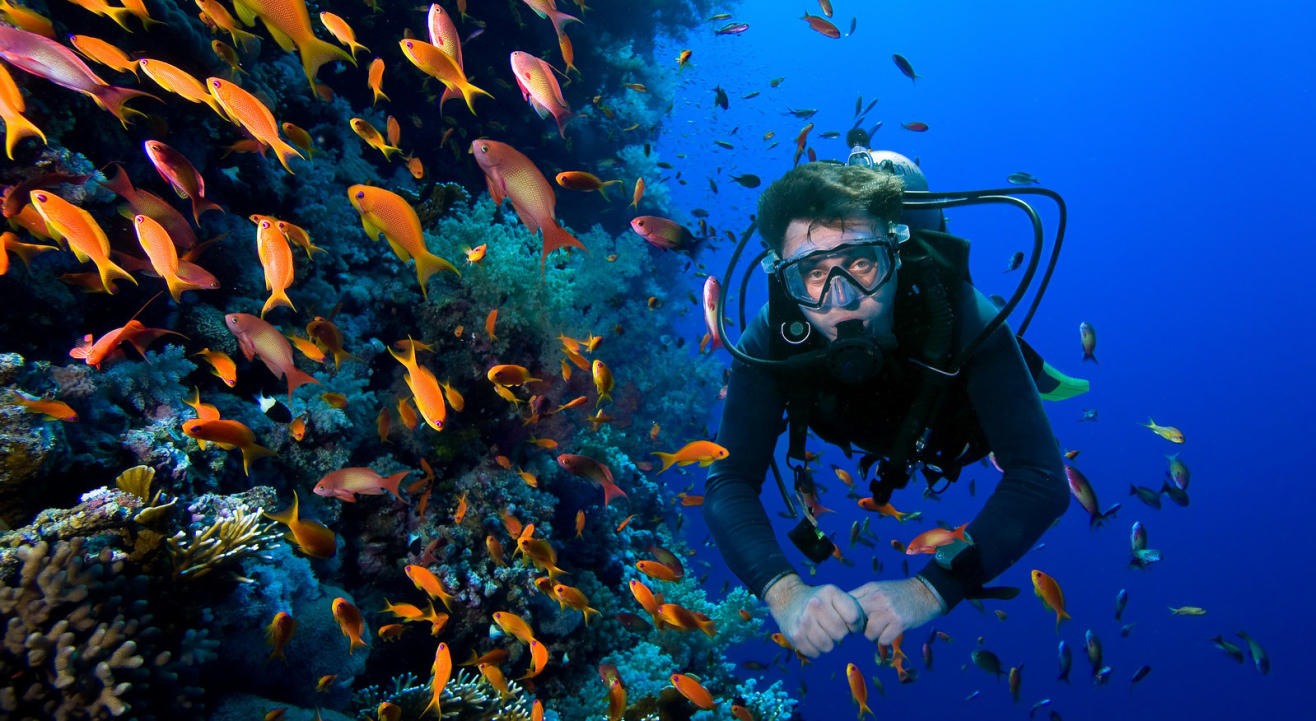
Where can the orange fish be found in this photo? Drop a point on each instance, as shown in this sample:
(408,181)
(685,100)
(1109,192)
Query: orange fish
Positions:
(312,537)
(858,688)
(682,59)
(426,581)
(246,111)
(886,509)
(345,483)
(510,375)
(1052,597)
(342,32)
(375,79)
(434,62)
(573,597)
(654,569)
(103,53)
(276,259)
(538,660)
(509,174)
(297,429)
(223,20)
(299,137)
(258,338)
(95,351)
(495,548)
(227,435)
(51,409)
(349,622)
(387,214)
(306,347)
(225,52)
(600,474)
(442,671)
(701,452)
(370,134)
(692,690)
(823,26)
(394,131)
(929,541)
(408,414)
(27,19)
(279,632)
(514,625)
(221,366)
(489,321)
(163,254)
(181,175)
(179,82)
(416,168)
(637,194)
(603,381)
(682,618)
(540,88)
(290,26)
(581,180)
(327,337)
(425,389)
(83,234)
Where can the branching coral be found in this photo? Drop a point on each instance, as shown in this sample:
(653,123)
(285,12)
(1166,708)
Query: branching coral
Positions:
(466,697)
(77,643)
(224,542)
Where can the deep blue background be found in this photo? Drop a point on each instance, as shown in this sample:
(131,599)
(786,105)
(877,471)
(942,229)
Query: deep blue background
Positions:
(1179,137)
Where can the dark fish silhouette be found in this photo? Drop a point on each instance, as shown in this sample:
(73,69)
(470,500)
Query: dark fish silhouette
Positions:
(905,67)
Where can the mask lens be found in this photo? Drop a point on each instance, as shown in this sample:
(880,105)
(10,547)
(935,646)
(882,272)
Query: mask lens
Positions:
(812,280)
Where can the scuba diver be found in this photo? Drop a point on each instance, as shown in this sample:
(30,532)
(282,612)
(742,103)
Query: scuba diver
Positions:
(873,336)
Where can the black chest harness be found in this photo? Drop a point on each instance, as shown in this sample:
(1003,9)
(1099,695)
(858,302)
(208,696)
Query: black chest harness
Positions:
(913,412)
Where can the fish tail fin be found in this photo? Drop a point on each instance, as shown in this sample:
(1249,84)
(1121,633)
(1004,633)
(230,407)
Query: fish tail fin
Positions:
(177,286)
(285,152)
(667,458)
(120,16)
(707,628)
(380,94)
(110,273)
(469,91)
(18,127)
(1088,356)
(586,611)
(297,379)
(83,349)
(612,490)
(603,186)
(113,98)
(354,47)
(316,52)
(277,298)
(428,264)
(200,205)
(560,20)
(555,236)
(391,483)
(251,452)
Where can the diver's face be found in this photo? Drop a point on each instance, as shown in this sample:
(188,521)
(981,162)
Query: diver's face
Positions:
(874,310)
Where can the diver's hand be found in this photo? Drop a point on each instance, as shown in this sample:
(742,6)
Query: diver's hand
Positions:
(813,618)
(894,607)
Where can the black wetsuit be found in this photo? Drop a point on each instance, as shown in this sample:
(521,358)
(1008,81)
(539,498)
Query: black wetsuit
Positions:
(1002,394)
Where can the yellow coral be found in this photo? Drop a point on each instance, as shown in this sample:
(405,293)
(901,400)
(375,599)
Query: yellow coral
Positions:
(226,540)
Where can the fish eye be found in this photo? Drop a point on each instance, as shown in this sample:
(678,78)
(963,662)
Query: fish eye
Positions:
(360,194)
(41,197)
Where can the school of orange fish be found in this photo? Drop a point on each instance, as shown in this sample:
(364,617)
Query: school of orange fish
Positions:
(170,250)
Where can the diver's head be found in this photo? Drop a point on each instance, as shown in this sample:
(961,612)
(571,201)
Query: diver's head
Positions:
(833,237)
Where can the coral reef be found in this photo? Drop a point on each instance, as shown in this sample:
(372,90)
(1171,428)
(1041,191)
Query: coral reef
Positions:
(80,643)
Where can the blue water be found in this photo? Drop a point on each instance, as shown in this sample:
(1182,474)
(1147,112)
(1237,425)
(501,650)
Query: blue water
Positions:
(1178,138)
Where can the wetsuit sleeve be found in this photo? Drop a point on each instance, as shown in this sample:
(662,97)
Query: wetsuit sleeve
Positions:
(751,422)
(1032,493)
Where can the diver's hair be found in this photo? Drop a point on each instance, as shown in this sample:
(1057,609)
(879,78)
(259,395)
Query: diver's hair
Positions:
(826,194)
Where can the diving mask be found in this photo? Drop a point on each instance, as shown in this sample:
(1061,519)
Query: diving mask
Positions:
(840,276)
